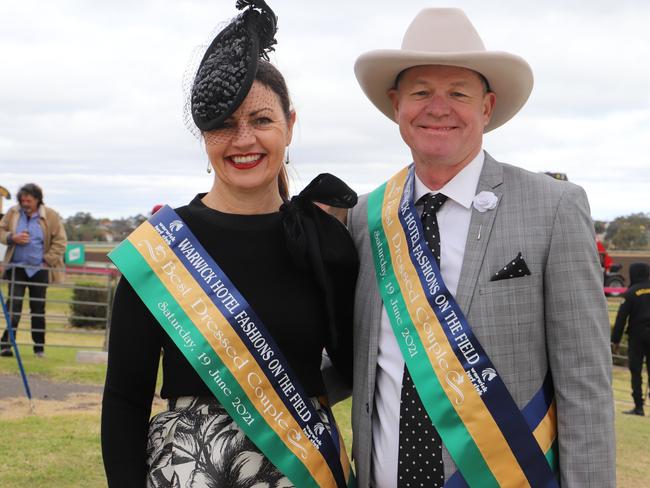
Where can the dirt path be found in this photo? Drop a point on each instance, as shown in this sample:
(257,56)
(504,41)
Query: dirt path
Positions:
(41,388)
(54,398)
(50,398)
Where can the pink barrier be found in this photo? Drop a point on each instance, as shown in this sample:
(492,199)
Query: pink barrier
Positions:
(611,291)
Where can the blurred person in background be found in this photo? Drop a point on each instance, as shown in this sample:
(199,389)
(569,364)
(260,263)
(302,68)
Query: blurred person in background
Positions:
(635,313)
(36,242)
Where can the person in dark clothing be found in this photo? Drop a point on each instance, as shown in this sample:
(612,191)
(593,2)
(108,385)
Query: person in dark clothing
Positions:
(635,311)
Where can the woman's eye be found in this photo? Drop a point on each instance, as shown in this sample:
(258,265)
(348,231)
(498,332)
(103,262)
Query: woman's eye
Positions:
(261,121)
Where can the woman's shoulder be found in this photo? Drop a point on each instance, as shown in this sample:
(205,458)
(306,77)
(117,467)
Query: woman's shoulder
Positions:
(192,208)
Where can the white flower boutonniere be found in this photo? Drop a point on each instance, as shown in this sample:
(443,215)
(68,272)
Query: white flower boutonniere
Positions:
(484,201)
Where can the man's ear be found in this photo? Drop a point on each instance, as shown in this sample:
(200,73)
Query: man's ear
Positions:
(394,98)
(489,102)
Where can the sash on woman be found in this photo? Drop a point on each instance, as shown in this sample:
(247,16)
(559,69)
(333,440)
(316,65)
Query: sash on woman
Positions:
(491,441)
(226,343)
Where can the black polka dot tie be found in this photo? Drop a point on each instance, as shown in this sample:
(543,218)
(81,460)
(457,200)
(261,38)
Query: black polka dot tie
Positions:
(430,206)
(420,448)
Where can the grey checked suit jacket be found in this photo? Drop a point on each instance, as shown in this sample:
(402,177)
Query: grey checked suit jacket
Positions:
(555,318)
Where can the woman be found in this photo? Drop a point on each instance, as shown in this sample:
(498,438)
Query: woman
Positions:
(289,267)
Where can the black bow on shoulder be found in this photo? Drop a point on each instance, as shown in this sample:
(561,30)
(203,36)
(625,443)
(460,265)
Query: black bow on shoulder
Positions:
(330,190)
(319,243)
(300,216)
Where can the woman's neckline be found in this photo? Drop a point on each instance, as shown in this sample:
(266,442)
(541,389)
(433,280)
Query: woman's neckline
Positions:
(261,221)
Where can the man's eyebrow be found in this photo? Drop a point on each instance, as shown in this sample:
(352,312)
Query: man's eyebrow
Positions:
(420,81)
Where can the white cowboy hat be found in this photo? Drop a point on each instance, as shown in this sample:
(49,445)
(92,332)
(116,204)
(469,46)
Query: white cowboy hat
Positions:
(445,36)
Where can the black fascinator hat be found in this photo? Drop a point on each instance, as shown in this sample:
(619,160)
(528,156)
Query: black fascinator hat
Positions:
(227,70)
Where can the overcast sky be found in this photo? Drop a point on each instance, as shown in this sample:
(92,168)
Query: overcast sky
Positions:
(91,97)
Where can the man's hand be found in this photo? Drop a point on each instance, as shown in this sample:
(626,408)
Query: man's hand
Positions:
(341,214)
(614,348)
(20,239)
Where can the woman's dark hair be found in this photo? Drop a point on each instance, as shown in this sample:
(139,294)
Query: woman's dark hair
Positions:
(269,76)
(31,189)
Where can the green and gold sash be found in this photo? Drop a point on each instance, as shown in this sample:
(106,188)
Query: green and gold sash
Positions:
(231,350)
(492,442)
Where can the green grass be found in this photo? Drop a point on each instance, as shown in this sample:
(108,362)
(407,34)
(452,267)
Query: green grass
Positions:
(59,364)
(64,450)
(342,412)
(632,435)
(46,459)
(51,451)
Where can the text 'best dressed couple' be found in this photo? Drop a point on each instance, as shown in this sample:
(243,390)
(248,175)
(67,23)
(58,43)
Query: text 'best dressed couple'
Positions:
(461,302)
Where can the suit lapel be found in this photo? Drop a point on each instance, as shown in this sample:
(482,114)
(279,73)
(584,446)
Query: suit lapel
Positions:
(480,229)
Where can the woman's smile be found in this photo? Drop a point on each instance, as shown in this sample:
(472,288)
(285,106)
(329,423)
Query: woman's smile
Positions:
(245,161)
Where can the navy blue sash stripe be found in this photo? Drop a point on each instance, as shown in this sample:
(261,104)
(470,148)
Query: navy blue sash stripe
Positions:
(495,394)
(538,406)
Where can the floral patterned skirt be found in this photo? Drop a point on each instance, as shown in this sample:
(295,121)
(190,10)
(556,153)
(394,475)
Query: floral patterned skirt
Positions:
(197,444)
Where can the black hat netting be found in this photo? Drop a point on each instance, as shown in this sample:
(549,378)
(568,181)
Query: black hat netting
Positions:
(227,70)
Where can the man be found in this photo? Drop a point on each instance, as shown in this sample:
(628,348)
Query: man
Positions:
(516,317)
(36,240)
(635,311)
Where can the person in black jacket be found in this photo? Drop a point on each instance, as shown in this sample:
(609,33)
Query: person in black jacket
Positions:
(635,311)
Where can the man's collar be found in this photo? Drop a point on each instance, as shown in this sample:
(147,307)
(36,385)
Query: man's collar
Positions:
(462,187)
(40,212)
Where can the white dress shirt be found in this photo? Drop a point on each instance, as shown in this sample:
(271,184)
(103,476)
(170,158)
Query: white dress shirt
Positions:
(453,221)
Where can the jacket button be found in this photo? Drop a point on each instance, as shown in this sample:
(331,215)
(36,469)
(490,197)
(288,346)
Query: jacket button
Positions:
(367,408)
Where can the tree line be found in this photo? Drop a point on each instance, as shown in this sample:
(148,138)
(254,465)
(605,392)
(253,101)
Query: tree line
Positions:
(82,226)
(631,232)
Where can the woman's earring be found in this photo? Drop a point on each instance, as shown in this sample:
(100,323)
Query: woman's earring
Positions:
(209,168)
(286,161)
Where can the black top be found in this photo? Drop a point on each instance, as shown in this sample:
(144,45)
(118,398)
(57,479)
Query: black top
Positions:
(289,299)
(635,309)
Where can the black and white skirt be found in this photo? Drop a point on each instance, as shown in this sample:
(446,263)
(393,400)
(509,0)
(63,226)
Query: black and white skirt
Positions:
(197,444)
